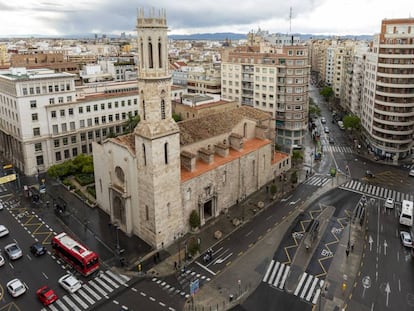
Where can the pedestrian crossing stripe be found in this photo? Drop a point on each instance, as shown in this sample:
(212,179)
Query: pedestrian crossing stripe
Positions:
(87,295)
(308,288)
(376,191)
(339,149)
(318,181)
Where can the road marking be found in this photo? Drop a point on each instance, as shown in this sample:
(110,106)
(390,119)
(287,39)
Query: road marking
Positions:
(80,301)
(84,295)
(70,303)
(387,291)
(205,268)
(248,233)
(95,295)
(152,298)
(267,218)
(143,294)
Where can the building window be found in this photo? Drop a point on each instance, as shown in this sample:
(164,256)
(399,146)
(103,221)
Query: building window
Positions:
(146,213)
(58,156)
(89,121)
(150,59)
(66,153)
(73,139)
(80,109)
(62,113)
(33,104)
(65,141)
(96,120)
(144,154)
(82,137)
(53,114)
(90,135)
(102,106)
(72,125)
(69,99)
(97,134)
(55,129)
(95,107)
(160,55)
(34,117)
(60,100)
(166,153)
(109,105)
(64,127)
(103,119)
(245,130)
(36,131)
(24,91)
(162,109)
(70,111)
(88,108)
(39,160)
(51,100)
(74,152)
(38,147)
(84,149)
(56,143)
(81,123)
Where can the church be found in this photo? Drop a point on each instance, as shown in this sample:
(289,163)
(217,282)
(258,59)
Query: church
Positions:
(151,180)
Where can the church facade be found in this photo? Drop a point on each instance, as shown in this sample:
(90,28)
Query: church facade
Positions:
(150,181)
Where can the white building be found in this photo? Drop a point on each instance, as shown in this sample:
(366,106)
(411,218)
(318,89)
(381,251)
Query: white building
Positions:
(45,119)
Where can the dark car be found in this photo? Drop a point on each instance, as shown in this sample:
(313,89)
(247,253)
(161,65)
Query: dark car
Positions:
(331,141)
(38,249)
(369,174)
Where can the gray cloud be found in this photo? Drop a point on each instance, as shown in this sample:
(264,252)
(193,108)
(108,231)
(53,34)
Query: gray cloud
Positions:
(109,16)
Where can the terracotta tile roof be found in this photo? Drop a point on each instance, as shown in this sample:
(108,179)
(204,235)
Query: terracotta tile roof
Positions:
(202,167)
(194,130)
(279,156)
(127,140)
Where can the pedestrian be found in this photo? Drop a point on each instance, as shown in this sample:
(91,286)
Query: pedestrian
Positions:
(175,265)
(155,258)
(352,246)
(347,252)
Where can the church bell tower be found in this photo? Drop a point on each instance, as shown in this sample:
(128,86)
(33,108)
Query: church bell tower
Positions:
(157,137)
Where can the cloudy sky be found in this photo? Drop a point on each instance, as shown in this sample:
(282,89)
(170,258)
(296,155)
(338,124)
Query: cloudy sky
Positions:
(66,17)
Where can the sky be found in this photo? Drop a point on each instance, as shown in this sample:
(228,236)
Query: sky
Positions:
(112,17)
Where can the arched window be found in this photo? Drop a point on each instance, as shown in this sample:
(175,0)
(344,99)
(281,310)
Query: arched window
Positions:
(150,55)
(166,153)
(142,54)
(159,53)
(245,130)
(144,154)
(146,213)
(162,109)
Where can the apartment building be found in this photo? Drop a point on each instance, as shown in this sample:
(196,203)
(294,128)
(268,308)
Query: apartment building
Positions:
(272,79)
(45,119)
(388,96)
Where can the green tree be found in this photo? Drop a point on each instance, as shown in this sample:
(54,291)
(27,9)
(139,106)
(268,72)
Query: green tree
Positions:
(327,93)
(294,177)
(352,122)
(176,117)
(297,155)
(194,219)
(314,110)
(273,188)
(132,123)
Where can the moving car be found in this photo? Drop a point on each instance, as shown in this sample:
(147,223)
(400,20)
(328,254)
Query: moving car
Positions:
(13,251)
(411,173)
(2,261)
(326,129)
(1,206)
(3,231)
(38,249)
(406,239)
(331,141)
(16,288)
(389,203)
(323,120)
(369,174)
(46,295)
(70,283)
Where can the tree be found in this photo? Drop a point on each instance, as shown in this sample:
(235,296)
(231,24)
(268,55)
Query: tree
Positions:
(314,110)
(176,117)
(294,177)
(194,219)
(327,92)
(132,122)
(352,122)
(273,188)
(297,155)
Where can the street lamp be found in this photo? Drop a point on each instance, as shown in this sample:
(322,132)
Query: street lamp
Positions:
(116,226)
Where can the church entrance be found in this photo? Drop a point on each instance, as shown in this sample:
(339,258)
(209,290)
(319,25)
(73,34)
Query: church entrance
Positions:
(119,210)
(208,209)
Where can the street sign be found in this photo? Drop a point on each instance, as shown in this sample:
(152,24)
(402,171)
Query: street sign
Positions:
(194,286)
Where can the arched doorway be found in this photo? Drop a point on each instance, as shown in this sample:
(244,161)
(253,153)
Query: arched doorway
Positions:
(119,210)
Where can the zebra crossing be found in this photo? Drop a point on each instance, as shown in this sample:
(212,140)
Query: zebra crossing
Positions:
(184,279)
(339,149)
(2,188)
(90,293)
(308,288)
(376,191)
(317,181)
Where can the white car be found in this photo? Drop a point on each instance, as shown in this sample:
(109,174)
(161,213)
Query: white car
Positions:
(389,203)
(2,261)
(1,206)
(16,287)
(3,231)
(13,251)
(323,120)
(411,173)
(406,239)
(70,283)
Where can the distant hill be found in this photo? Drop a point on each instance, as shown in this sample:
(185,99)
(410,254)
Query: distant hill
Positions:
(210,36)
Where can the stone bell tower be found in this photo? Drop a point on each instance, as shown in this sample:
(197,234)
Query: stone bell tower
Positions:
(157,137)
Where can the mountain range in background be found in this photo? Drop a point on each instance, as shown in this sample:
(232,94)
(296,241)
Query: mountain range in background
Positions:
(198,36)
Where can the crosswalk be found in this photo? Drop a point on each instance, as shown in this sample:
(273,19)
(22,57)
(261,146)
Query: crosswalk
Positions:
(90,293)
(184,279)
(2,188)
(317,180)
(308,288)
(339,149)
(376,191)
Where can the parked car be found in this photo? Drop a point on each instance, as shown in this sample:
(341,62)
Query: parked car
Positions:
(13,251)
(406,239)
(38,249)
(389,203)
(3,231)
(16,287)
(70,283)
(331,140)
(369,174)
(46,295)
(2,261)
(326,129)
(1,206)
(411,173)
(323,120)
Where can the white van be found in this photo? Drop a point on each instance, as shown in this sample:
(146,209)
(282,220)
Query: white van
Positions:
(406,216)
(341,125)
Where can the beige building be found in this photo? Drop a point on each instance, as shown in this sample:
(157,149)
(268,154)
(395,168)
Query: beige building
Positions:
(151,180)
(388,97)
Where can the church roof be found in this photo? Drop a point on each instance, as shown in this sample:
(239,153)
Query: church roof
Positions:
(194,130)
(127,140)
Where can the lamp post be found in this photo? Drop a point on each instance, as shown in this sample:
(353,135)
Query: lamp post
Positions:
(117,247)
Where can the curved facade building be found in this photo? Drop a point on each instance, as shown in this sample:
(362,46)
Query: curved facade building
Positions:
(388,102)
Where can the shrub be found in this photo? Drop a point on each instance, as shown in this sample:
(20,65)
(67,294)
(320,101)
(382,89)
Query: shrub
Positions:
(85,179)
(273,188)
(91,190)
(194,219)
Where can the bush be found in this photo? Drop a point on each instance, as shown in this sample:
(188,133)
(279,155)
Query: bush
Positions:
(91,190)
(294,177)
(68,183)
(193,247)
(194,219)
(273,188)
(85,179)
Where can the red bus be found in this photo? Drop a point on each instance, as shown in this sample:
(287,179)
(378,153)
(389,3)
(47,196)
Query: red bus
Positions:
(82,259)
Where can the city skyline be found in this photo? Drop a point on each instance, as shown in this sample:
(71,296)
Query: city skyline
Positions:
(355,17)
